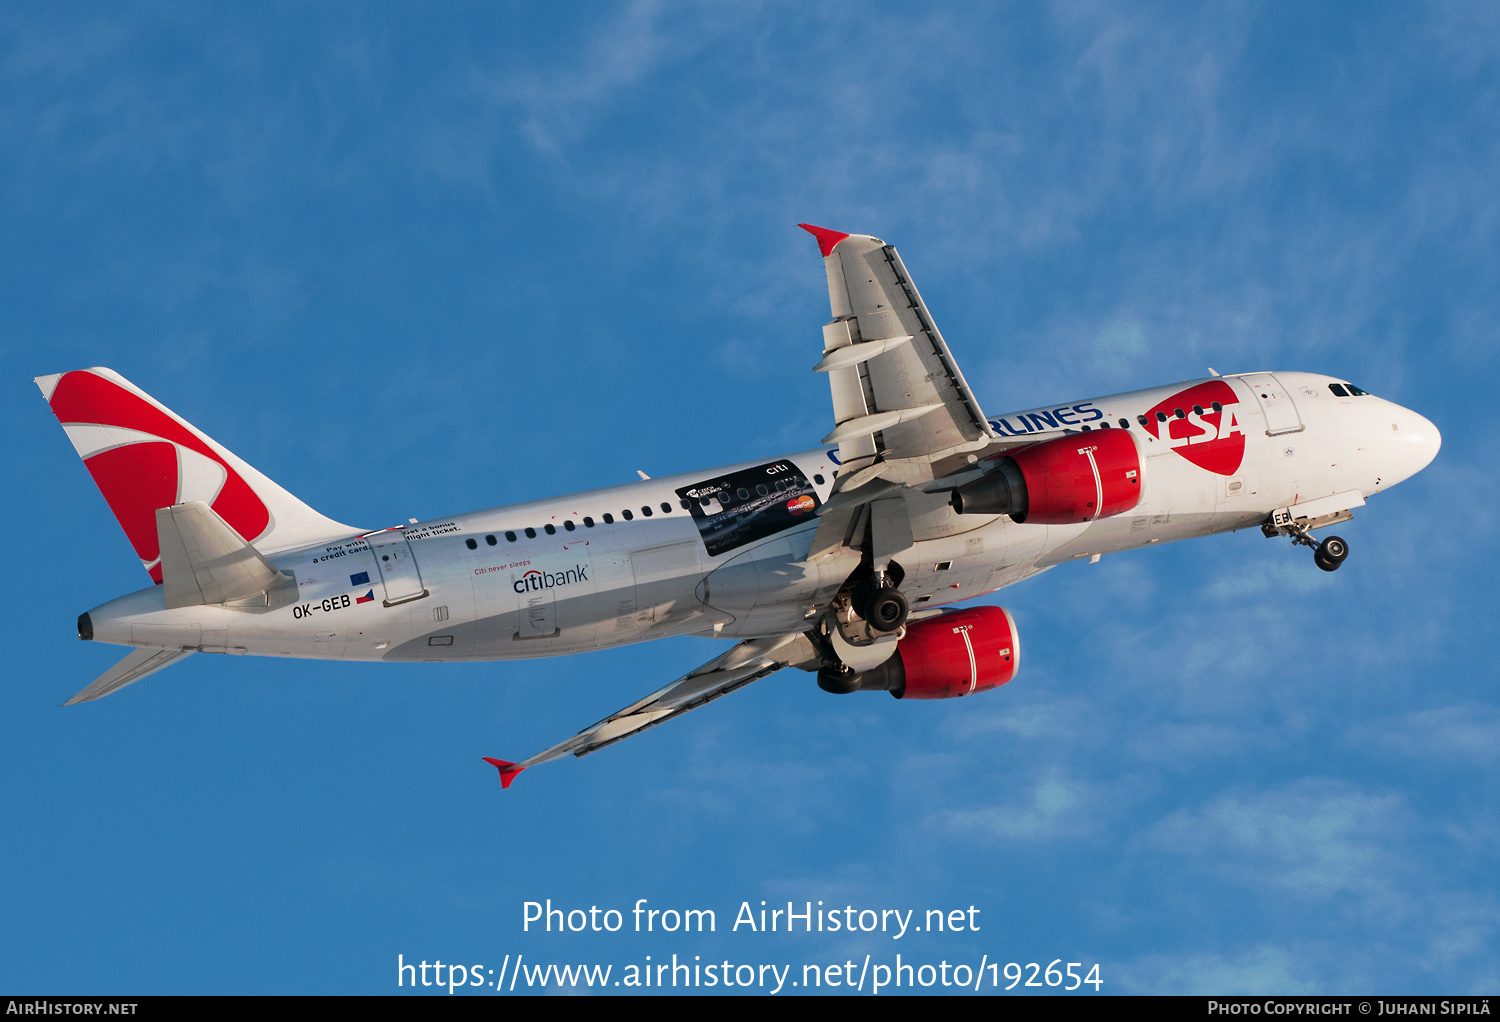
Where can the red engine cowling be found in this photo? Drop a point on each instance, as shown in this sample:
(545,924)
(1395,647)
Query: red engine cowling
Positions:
(1080,478)
(956,654)
(1073,478)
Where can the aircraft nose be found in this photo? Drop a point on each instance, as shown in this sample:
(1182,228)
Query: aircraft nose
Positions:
(1414,442)
(1424,438)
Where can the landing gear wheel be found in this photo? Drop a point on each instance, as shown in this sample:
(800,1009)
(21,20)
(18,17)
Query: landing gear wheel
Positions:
(1331,553)
(886,610)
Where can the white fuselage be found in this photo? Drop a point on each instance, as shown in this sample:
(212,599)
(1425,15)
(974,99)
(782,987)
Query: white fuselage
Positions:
(705,553)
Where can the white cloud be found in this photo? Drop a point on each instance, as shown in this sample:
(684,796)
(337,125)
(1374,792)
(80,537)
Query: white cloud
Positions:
(1312,838)
(1049,807)
(1465,735)
(1266,969)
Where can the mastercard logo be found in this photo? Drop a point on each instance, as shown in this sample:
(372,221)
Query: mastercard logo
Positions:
(797,505)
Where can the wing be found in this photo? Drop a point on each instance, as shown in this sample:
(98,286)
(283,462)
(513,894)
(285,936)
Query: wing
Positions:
(906,417)
(898,394)
(139,663)
(747,661)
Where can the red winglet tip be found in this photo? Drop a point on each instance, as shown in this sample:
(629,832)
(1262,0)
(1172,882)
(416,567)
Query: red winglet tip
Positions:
(827,240)
(508,771)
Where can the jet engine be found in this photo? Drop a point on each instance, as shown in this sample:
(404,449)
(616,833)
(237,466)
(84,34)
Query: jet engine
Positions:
(955,654)
(1074,478)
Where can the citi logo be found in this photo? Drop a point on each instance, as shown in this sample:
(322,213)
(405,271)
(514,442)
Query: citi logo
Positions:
(535,580)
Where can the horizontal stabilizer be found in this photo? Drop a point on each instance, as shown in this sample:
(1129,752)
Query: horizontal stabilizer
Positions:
(135,666)
(204,561)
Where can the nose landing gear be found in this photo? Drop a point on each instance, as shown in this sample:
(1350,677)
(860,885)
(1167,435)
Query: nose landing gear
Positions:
(1327,555)
(1330,553)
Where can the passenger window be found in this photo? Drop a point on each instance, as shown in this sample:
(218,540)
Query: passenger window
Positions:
(609,519)
(530,533)
(1217,407)
(744,494)
(1161,416)
(588,523)
(626,514)
(490,540)
(1125,423)
(704,501)
(510,537)
(569,525)
(1104,424)
(1142,419)
(666,507)
(1179,413)
(1338,390)
(1197,409)
(687,505)
(646,510)
(761,489)
(1088,429)
(818,479)
(550,529)
(471,544)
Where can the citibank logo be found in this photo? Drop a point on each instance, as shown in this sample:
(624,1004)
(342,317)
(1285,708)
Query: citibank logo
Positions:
(534,580)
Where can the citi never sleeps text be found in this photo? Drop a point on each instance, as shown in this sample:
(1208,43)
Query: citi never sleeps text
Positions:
(911,969)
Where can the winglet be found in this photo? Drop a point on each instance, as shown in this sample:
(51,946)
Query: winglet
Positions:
(827,240)
(508,771)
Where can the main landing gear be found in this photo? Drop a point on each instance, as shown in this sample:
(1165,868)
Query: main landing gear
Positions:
(880,603)
(1327,555)
(866,620)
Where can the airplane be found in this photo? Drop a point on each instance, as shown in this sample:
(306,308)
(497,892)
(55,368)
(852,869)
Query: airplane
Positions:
(846,560)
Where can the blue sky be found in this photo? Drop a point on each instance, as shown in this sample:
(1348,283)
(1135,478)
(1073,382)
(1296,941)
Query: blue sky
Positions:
(410,263)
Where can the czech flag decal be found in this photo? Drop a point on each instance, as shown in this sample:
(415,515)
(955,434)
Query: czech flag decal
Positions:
(367,598)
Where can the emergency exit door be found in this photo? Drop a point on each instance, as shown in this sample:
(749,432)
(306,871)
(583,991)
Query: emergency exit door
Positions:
(1276,402)
(398,566)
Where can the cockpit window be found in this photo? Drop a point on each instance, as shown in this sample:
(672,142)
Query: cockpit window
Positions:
(1355,391)
(1338,390)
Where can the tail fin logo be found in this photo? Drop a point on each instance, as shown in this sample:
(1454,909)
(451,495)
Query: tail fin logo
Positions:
(143,458)
(1203,425)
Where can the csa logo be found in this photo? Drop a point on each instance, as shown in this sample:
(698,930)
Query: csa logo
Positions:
(1203,426)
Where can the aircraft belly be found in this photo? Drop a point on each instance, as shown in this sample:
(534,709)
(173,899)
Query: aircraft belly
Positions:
(773,587)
